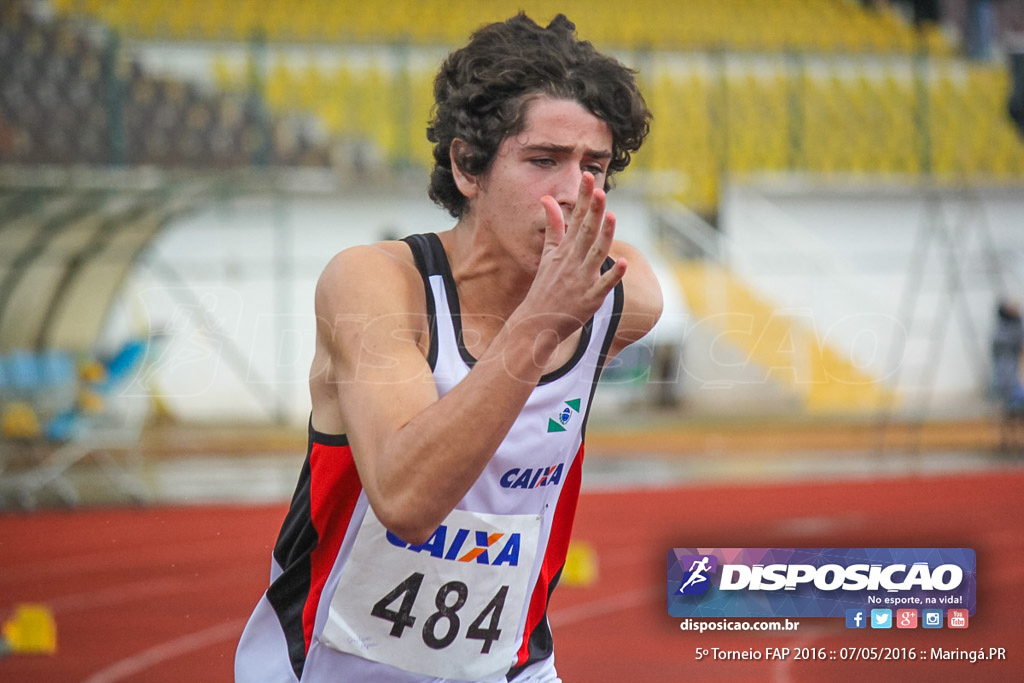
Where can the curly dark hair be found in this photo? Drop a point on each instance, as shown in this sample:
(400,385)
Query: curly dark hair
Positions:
(482,91)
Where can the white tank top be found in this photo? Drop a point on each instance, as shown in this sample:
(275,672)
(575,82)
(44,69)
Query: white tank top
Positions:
(470,603)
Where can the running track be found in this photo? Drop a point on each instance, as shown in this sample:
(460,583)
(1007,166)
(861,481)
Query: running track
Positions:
(160,594)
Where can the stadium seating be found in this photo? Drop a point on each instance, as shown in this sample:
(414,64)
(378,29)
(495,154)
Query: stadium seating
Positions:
(830,116)
(67,99)
(736,86)
(746,25)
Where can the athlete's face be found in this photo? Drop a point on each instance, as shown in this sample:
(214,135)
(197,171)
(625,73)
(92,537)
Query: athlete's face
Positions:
(560,141)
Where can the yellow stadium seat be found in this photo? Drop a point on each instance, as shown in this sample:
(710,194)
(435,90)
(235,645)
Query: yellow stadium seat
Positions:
(823,25)
(852,105)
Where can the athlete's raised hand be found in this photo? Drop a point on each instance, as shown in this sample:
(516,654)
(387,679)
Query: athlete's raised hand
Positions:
(569,286)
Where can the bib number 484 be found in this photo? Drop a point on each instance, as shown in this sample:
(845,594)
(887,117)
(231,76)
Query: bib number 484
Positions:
(441,628)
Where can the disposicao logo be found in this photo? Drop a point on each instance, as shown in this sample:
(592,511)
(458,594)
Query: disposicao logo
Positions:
(817,582)
(696,580)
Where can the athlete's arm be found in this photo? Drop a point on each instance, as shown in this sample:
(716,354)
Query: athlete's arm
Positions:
(417,455)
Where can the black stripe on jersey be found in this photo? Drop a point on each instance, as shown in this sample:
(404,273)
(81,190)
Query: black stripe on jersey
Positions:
(295,544)
(541,644)
(609,337)
(431,259)
(293,551)
(424,254)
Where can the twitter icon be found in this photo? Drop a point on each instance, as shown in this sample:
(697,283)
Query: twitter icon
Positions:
(881,618)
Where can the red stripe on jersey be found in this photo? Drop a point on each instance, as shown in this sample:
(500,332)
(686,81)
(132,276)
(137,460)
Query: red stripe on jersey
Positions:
(334,489)
(554,557)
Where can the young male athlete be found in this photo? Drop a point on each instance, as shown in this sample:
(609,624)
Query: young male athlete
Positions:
(452,381)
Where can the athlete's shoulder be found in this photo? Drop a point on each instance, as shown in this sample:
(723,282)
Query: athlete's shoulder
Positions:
(383,273)
(642,290)
(642,297)
(379,260)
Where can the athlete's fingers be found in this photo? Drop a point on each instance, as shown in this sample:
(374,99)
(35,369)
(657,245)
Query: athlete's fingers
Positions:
(603,240)
(582,207)
(556,223)
(611,277)
(591,223)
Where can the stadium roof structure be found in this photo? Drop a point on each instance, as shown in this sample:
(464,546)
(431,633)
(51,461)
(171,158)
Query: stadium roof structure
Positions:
(70,237)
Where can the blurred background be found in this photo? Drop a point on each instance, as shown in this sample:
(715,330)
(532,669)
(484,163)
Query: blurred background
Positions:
(832,195)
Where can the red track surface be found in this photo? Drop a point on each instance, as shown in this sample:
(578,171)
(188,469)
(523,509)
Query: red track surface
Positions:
(160,594)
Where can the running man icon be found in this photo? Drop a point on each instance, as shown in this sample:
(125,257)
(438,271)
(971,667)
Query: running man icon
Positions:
(698,570)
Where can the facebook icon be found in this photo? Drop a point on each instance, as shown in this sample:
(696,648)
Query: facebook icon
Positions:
(856,618)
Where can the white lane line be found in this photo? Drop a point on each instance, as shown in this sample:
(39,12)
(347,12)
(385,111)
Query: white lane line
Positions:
(121,593)
(130,666)
(137,590)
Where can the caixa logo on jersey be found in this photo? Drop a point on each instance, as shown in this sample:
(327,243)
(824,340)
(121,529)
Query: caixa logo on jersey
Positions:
(810,582)
(532,477)
(467,545)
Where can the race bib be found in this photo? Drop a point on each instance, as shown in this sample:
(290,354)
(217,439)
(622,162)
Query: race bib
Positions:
(449,607)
